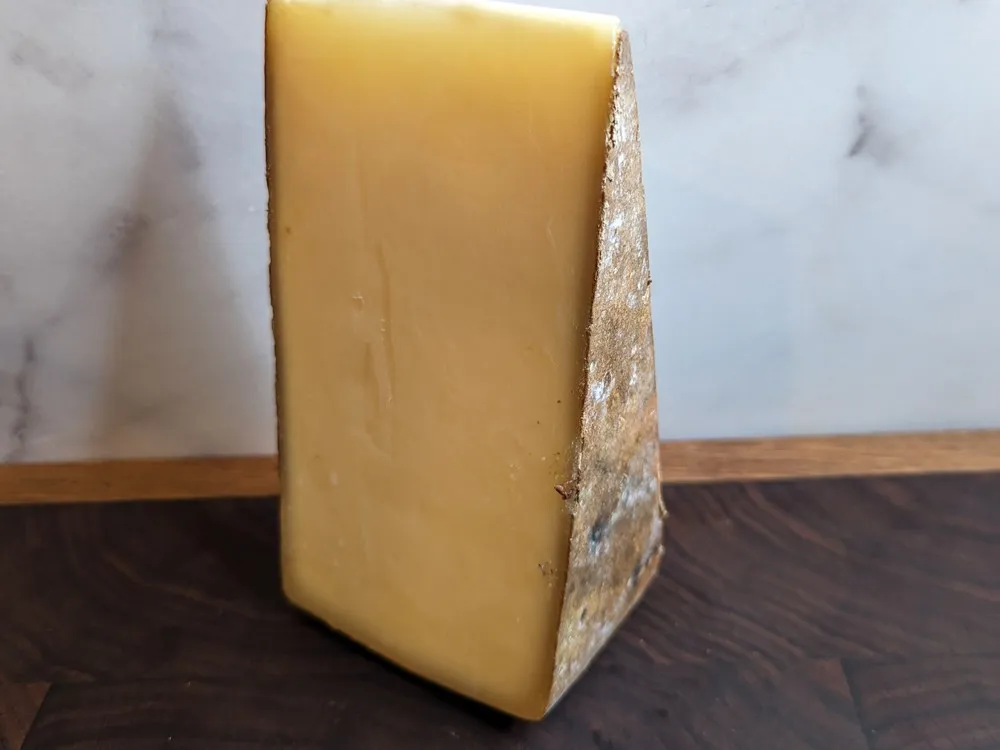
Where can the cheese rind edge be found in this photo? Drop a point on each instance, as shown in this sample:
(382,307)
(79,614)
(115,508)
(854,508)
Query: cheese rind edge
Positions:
(615,499)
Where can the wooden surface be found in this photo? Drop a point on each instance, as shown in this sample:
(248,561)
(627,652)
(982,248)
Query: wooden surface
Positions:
(153,479)
(681,462)
(830,456)
(824,615)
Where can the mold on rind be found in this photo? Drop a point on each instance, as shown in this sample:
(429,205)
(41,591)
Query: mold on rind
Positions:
(618,514)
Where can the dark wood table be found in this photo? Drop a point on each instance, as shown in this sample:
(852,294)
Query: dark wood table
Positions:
(843,614)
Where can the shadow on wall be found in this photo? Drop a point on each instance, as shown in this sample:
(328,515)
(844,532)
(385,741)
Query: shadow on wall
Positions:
(181,346)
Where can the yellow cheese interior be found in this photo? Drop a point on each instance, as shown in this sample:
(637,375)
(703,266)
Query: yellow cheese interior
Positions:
(435,190)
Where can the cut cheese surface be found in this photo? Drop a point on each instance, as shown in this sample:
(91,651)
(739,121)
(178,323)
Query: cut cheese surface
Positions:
(437,175)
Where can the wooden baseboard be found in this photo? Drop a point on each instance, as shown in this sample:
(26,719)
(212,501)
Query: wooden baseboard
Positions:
(130,479)
(681,461)
(830,456)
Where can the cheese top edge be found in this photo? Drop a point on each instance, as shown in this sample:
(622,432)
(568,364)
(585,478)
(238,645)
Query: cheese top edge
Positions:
(554,15)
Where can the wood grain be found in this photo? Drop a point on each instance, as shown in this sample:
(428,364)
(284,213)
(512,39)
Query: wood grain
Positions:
(149,479)
(162,625)
(935,702)
(825,569)
(830,456)
(808,708)
(19,703)
(681,462)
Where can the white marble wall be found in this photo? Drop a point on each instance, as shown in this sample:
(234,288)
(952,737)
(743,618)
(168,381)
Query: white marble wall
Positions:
(823,180)
(134,318)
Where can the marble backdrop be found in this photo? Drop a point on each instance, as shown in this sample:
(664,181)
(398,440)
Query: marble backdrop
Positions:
(823,180)
(134,316)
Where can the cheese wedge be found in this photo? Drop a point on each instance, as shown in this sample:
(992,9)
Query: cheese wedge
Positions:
(460,283)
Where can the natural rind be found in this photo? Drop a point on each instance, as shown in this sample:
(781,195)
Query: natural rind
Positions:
(615,501)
